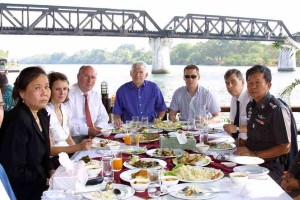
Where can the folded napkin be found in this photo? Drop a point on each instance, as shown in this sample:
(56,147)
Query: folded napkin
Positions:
(54,194)
(222,167)
(119,135)
(181,138)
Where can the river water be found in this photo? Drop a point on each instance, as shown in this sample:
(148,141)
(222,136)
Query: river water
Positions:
(211,78)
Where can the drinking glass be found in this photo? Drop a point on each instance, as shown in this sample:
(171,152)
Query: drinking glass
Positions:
(117,161)
(127,139)
(191,125)
(134,125)
(154,188)
(144,121)
(107,166)
(199,124)
(134,139)
(128,126)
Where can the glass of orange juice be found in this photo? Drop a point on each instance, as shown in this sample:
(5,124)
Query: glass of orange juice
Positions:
(117,161)
(127,139)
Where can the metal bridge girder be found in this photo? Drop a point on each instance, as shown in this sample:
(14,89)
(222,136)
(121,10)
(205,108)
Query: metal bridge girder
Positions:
(48,20)
(62,20)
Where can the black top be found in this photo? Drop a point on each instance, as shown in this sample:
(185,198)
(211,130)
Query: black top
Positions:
(266,127)
(25,151)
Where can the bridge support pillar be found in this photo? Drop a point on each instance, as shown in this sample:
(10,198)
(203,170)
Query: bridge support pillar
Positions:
(287,60)
(160,55)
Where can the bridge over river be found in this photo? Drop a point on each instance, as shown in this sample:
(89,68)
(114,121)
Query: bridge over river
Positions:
(20,19)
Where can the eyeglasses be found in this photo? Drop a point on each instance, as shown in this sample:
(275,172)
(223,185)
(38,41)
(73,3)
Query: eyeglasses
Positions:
(190,76)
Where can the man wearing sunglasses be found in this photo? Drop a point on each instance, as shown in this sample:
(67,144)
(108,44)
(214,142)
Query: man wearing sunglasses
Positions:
(193,100)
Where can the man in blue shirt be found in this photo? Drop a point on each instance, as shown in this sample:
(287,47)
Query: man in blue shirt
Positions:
(138,97)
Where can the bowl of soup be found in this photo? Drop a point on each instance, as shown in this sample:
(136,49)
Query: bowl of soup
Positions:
(169,180)
(238,178)
(139,184)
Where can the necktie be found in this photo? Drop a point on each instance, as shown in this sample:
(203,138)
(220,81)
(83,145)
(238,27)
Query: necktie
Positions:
(237,118)
(89,121)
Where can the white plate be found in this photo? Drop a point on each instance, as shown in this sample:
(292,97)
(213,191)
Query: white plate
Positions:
(246,160)
(161,163)
(222,149)
(252,170)
(95,144)
(155,130)
(176,191)
(93,164)
(135,151)
(126,192)
(152,153)
(205,161)
(204,181)
(126,175)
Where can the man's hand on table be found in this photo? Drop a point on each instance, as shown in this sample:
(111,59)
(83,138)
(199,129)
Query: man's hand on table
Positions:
(229,128)
(118,122)
(244,151)
(86,144)
(94,131)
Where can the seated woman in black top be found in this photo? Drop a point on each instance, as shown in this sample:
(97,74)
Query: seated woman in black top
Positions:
(24,138)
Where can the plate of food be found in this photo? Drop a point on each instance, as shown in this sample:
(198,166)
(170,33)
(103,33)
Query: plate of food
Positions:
(220,145)
(137,162)
(165,152)
(102,144)
(196,174)
(192,159)
(167,125)
(246,160)
(135,173)
(126,192)
(252,170)
(135,151)
(215,130)
(193,191)
(117,130)
(148,137)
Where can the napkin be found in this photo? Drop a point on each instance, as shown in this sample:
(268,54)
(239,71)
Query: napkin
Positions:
(181,138)
(54,194)
(65,161)
(119,135)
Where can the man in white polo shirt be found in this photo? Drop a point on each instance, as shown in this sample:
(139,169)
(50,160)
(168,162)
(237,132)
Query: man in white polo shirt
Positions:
(193,100)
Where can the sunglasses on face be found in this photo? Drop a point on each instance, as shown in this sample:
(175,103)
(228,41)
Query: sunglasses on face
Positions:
(190,76)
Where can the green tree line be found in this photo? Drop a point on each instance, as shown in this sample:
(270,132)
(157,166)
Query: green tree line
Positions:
(212,52)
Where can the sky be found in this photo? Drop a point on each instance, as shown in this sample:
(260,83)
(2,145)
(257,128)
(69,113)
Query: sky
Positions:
(162,11)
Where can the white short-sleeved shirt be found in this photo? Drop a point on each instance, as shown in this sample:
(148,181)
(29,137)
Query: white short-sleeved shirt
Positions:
(193,106)
(59,132)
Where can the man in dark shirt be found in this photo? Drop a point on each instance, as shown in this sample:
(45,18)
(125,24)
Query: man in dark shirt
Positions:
(269,123)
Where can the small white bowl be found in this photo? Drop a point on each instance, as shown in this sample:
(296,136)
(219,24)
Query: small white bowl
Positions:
(169,180)
(238,178)
(93,172)
(228,164)
(106,133)
(202,147)
(139,184)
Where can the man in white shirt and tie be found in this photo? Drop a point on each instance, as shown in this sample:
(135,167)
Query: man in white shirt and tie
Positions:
(240,97)
(86,118)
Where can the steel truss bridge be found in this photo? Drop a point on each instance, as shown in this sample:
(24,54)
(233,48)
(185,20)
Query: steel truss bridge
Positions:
(19,19)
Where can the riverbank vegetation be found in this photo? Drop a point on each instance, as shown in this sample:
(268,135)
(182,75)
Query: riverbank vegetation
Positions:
(212,52)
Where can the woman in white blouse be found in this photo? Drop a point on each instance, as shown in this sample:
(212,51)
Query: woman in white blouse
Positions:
(60,138)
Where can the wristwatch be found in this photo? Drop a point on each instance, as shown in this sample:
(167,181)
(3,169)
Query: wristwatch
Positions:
(237,129)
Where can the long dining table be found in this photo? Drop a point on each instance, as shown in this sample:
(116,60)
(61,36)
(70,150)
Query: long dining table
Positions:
(262,187)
